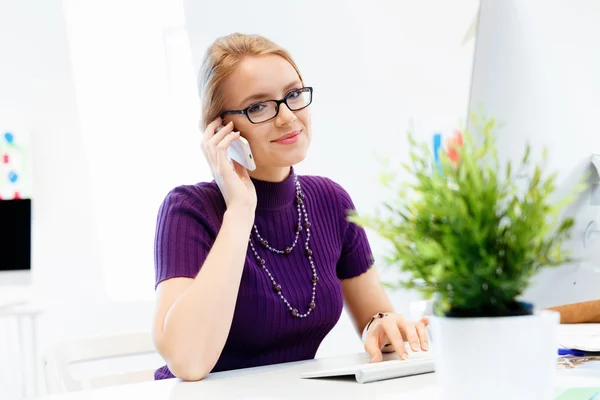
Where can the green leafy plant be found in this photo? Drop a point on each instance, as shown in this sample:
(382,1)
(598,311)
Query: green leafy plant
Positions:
(468,233)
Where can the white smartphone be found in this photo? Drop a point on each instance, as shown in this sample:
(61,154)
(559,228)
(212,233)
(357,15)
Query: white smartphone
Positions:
(240,152)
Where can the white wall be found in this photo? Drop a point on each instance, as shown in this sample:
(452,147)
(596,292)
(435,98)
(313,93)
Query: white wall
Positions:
(139,126)
(36,79)
(543,84)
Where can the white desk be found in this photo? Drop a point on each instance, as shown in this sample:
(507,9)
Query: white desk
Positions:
(283,382)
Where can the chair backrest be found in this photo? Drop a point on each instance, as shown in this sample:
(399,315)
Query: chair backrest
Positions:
(58,362)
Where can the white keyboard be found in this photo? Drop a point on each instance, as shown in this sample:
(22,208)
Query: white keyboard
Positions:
(372,372)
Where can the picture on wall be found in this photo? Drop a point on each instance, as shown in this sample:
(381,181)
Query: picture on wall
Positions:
(15,177)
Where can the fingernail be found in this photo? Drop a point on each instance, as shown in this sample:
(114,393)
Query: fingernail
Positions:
(425,346)
(404,356)
(415,346)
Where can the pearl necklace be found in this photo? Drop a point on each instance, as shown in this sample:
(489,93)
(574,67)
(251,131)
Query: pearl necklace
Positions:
(287,251)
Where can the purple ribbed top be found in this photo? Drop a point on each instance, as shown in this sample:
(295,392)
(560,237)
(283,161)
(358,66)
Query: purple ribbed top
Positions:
(263,331)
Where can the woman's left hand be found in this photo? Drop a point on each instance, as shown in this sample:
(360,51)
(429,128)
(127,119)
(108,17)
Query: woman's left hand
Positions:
(394,330)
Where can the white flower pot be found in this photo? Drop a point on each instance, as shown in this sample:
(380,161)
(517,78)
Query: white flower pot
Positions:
(502,358)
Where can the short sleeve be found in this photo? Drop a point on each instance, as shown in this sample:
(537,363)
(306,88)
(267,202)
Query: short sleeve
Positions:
(356,257)
(182,239)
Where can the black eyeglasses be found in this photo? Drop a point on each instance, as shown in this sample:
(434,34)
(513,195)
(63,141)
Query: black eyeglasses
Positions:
(263,111)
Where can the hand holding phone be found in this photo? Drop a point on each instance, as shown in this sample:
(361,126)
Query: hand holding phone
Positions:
(231,177)
(239,151)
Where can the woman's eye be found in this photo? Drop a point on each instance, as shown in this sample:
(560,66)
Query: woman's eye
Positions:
(256,108)
(293,95)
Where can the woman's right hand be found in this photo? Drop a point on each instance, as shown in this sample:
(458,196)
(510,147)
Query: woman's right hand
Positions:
(233,179)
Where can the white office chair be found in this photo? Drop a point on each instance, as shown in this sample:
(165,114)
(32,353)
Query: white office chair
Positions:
(58,362)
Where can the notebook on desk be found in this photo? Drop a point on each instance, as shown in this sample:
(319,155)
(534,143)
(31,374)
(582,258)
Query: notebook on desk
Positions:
(371,372)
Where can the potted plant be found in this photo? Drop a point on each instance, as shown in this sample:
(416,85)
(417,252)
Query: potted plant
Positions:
(470,235)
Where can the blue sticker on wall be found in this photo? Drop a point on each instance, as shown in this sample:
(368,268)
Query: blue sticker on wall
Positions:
(9,137)
(13,177)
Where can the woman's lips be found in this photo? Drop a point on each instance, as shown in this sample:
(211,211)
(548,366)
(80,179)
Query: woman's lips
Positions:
(290,138)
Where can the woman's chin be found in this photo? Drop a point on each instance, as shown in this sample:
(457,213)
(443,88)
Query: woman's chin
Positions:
(288,162)
(294,158)
(289,157)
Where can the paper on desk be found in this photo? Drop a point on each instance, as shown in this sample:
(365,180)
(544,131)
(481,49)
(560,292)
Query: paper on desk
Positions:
(584,337)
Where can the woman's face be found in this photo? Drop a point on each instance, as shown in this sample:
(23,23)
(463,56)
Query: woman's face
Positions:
(279,142)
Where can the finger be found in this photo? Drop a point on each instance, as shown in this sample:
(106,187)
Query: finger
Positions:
(409,332)
(210,146)
(210,128)
(423,337)
(395,337)
(372,347)
(218,136)
(223,163)
(209,133)
(216,139)
(215,123)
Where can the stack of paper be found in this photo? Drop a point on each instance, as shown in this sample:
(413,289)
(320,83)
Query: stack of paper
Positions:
(584,337)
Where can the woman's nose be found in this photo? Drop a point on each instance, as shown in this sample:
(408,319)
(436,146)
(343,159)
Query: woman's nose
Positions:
(285,116)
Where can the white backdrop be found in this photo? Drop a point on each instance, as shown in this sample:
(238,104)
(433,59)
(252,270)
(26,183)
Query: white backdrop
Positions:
(110,91)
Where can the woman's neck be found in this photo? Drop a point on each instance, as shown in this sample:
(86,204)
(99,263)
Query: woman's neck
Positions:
(275,174)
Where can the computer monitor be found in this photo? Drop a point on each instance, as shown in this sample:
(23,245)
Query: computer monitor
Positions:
(15,199)
(15,242)
(537,70)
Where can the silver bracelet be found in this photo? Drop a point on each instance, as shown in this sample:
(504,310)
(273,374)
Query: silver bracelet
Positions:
(376,316)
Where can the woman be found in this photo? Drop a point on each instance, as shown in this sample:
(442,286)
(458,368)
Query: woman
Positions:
(254,267)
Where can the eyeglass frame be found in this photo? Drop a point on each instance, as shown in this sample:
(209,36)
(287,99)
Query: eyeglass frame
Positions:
(278,102)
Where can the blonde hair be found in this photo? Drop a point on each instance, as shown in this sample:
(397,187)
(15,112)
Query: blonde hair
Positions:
(220,61)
